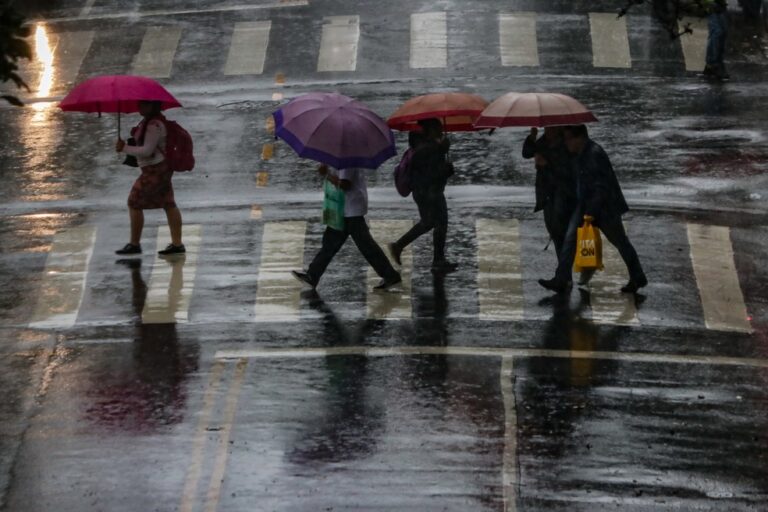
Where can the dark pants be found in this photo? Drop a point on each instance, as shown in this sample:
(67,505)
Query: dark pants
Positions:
(557,215)
(433,213)
(613,229)
(718,31)
(333,241)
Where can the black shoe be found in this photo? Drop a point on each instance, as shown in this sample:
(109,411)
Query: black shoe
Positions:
(710,71)
(129,249)
(556,285)
(173,249)
(386,284)
(304,278)
(443,267)
(395,252)
(586,276)
(635,284)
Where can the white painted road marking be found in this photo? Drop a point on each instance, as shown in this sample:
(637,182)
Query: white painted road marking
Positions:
(70,52)
(429,40)
(509,460)
(499,278)
(631,357)
(717,279)
(518,44)
(155,58)
(694,45)
(248,50)
(282,250)
(610,42)
(396,303)
(63,286)
(609,305)
(86,10)
(172,280)
(338,44)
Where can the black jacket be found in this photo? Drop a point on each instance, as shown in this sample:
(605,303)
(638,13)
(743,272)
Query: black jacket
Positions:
(429,170)
(598,189)
(554,178)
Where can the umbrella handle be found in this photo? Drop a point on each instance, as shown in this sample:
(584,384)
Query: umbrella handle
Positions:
(118,119)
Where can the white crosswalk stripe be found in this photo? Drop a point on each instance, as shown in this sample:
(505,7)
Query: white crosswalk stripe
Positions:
(57,59)
(694,45)
(248,49)
(610,42)
(338,44)
(155,58)
(499,278)
(518,44)
(715,270)
(172,280)
(429,40)
(609,305)
(282,250)
(63,284)
(396,303)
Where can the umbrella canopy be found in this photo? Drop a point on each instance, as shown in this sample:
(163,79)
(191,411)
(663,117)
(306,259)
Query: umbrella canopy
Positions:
(457,111)
(116,93)
(335,130)
(534,109)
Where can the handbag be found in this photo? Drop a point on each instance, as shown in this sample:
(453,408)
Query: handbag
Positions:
(589,247)
(333,206)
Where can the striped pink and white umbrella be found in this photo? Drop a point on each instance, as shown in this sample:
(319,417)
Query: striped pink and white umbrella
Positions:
(534,109)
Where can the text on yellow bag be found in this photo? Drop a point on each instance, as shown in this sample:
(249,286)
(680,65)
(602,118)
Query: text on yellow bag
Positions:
(589,247)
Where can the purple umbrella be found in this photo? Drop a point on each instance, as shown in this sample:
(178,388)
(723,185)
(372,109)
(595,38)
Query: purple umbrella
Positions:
(335,130)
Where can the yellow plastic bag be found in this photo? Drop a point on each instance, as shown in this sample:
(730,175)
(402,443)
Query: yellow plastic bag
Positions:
(589,247)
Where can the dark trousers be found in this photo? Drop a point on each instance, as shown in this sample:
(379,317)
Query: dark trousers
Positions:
(557,216)
(333,241)
(613,229)
(718,31)
(433,213)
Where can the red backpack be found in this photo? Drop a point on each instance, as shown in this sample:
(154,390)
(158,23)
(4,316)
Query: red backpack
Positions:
(178,147)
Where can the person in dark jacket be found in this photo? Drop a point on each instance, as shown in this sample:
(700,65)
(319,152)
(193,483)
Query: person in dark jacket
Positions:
(717,20)
(430,171)
(599,196)
(555,183)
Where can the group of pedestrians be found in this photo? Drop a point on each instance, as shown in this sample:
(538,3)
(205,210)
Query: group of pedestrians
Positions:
(574,178)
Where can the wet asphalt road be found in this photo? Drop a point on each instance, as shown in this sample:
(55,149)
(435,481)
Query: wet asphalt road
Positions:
(594,402)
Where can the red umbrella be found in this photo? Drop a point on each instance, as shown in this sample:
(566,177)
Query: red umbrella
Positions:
(457,110)
(116,94)
(534,109)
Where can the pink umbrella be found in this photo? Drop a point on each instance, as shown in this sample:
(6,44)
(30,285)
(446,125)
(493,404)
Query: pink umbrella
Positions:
(534,109)
(116,94)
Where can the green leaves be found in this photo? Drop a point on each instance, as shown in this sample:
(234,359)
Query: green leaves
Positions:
(13,46)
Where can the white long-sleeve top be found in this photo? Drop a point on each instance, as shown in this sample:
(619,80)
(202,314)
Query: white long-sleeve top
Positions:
(151,153)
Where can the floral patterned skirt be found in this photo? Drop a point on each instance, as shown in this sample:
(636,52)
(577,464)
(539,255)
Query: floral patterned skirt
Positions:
(153,189)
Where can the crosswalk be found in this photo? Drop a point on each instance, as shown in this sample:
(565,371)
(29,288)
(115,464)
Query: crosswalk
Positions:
(499,280)
(245,51)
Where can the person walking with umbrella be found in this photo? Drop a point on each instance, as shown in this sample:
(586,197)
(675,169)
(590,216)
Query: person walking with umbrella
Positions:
(153,188)
(555,183)
(600,197)
(430,171)
(346,137)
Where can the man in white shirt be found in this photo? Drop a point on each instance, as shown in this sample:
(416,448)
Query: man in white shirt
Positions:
(353,183)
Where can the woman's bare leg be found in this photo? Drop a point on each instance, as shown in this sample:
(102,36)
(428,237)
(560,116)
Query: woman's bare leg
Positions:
(137,225)
(174,224)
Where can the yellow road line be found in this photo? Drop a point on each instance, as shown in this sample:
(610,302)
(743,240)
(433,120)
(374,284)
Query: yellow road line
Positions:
(193,475)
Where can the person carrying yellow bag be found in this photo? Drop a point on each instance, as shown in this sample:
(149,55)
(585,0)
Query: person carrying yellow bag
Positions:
(598,196)
(589,247)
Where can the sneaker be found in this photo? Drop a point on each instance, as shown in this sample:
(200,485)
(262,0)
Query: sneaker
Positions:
(395,252)
(129,249)
(304,278)
(556,285)
(386,284)
(443,267)
(172,249)
(635,284)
